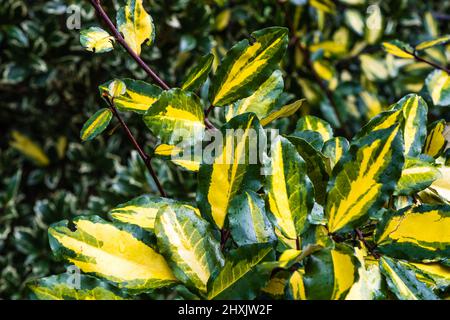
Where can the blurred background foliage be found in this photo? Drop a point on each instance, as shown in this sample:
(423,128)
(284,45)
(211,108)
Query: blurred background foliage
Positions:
(49,87)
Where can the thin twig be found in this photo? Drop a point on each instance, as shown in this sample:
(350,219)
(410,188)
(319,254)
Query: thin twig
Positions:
(145,157)
(208,123)
(297,243)
(147,160)
(224,235)
(363,240)
(430,63)
(208,111)
(98,7)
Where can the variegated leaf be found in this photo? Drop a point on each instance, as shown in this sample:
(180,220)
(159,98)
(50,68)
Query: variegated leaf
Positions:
(411,112)
(231,170)
(313,138)
(96,124)
(435,142)
(399,49)
(242,276)
(66,287)
(290,191)
(97,40)
(283,112)
(334,149)
(296,285)
(416,176)
(116,88)
(416,233)
(136,25)
(438,85)
(246,66)
(187,242)
(262,101)
(403,283)
(432,43)
(441,186)
(370,284)
(324,5)
(276,287)
(142,211)
(290,257)
(198,74)
(313,123)
(330,273)
(110,252)
(317,166)
(248,220)
(138,96)
(364,179)
(189,161)
(176,117)
(415,111)
(436,275)
(382,121)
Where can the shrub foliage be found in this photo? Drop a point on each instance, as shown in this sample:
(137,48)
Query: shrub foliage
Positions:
(342,211)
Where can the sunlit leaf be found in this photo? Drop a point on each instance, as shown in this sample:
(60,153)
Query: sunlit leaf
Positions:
(435,142)
(438,85)
(403,282)
(176,117)
(248,220)
(285,111)
(431,43)
(242,277)
(231,169)
(96,124)
(198,74)
(416,233)
(416,175)
(262,101)
(246,66)
(97,40)
(399,49)
(142,211)
(110,252)
(136,25)
(187,242)
(67,287)
(363,180)
(290,191)
(138,96)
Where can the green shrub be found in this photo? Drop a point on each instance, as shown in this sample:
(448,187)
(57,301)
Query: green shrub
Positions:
(326,214)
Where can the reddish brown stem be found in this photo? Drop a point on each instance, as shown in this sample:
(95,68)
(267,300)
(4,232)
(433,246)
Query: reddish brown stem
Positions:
(145,157)
(99,9)
(430,63)
(147,160)
(208,111)
(224,236)
(371,249)
(297,243)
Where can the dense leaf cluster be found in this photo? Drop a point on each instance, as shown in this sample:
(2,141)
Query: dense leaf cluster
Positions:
(337,218)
